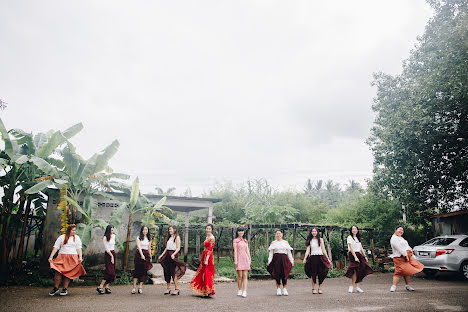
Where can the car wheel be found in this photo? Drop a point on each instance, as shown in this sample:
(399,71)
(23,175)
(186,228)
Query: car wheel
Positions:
(429,272)
(464,269)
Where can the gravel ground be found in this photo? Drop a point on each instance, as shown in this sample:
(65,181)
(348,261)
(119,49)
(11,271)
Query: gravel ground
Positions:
(447,293)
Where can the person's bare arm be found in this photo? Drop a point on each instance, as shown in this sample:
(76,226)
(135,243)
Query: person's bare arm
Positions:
(52,254)
(306,254)
(324,251)
(177,247)
(234,246)
(139,249)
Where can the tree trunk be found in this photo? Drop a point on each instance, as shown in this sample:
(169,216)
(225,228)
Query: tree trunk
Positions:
(127,244)
(27,240)
(19,257)
(7,208)
(16,221)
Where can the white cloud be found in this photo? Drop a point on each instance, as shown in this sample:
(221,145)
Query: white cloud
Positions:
(204,91)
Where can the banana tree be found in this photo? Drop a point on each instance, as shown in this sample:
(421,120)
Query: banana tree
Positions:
(137,203)
(83,180)
(23,160)
(82,177)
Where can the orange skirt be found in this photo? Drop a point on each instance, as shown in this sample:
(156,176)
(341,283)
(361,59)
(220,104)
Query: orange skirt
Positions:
(68,265)
(405,268)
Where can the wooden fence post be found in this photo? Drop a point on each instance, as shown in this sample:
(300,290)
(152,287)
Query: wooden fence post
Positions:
(233,236)
(327,235)
(249,237)
(294,241)
(197,242)
(371,236)
(186,234)
(344,249)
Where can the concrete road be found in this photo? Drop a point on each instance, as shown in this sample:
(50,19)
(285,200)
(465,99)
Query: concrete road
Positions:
(443,294)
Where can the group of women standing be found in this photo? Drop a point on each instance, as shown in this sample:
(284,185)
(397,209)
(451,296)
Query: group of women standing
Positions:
(67,265)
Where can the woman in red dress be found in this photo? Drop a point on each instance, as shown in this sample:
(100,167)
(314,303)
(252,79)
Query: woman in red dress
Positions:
(203,281)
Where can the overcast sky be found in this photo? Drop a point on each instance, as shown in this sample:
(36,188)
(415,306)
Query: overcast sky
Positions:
(199,92)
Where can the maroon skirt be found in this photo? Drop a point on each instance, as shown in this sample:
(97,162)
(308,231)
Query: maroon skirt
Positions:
(109,272)
(172,267)
(317,265)
(362,268)
(279,267)
(142,266)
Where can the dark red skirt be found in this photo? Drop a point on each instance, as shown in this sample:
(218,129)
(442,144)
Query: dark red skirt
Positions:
(142,266)
(109,272)
(362,268)
(317,265)
(279,267)
(172,267)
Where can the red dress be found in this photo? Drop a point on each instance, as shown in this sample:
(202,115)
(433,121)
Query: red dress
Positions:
(203,281)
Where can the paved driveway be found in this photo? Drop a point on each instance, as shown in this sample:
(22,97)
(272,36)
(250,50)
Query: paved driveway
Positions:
(443,294)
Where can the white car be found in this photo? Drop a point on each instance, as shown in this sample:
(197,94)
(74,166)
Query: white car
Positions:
(444,253)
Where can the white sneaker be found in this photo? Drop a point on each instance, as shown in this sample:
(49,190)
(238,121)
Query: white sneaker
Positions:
(278,291)
(393,288)
(239,292)
(244,294)
(285,292)
(359,290)
(409,288)
(350,289)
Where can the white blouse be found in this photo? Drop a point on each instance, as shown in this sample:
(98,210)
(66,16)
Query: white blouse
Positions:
(355,244)
(70,248)
(315,249)
(171,243)
(399,246)
(109,245)
(144,244)
(280,247)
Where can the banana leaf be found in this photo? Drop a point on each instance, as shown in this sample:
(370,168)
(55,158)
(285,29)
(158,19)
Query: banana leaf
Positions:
(103,158)
(73,130)
(78,207)
(39,187)
(54,141)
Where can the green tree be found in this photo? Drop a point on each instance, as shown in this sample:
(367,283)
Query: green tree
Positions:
(420,136)
(23,159)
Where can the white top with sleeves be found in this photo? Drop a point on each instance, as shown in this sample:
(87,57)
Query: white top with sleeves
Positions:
(280,247)
(171,243)
(315,249)
(144,244)
(70,248)
(399,246)
(109,245)
(355,244)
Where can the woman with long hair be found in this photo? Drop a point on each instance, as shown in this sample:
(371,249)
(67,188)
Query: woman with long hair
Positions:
(67,265)
(169,260)
(242,261)
(109,259)
(405,264)
(358,264)
(316,261)
(280,262)
(203,281)
(142,259)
